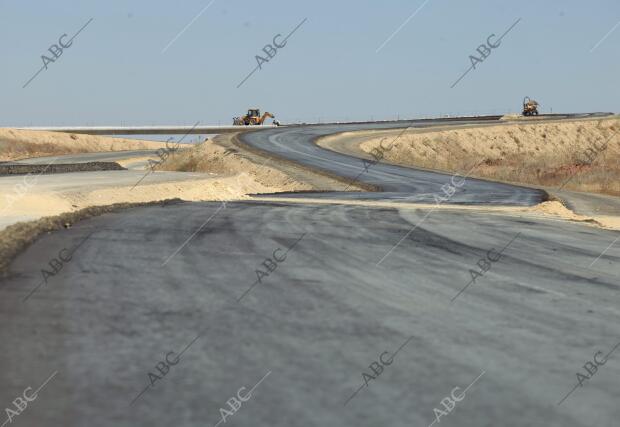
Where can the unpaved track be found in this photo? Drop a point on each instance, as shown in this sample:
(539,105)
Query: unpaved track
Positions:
(138,289)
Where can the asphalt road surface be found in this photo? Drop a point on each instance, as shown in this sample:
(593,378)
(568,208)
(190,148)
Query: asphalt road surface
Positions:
(397,183)
(304,315)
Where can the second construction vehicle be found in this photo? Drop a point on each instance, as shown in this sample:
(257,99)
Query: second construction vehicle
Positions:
(530,107)
(253,118)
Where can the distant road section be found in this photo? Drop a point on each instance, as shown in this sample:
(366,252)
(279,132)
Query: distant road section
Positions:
(210,129)
(147,130)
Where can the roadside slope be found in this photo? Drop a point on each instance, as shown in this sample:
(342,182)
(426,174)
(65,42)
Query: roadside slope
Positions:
(16,144)
(583,153)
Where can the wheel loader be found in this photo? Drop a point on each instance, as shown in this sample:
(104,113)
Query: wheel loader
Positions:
(253,118)
(530,107)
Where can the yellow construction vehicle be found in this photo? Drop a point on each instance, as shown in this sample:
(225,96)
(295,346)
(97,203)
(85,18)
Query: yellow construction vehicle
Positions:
(530,107)
(253,118)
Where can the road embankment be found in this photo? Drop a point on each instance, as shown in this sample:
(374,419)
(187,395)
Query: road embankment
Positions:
(579,155)
(16,144)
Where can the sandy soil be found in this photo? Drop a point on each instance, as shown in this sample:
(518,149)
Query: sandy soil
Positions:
(532,153)
(212,157)
(21,144)
(232,187)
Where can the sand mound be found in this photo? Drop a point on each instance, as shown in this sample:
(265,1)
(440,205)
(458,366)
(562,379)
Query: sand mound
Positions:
(211,157)
(556,208)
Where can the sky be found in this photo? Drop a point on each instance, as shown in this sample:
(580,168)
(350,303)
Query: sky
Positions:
(179,62)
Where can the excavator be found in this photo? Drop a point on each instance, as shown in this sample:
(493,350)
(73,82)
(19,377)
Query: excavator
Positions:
(530,107)
(253,118)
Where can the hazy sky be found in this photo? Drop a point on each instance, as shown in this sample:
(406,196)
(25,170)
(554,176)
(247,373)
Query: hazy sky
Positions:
(118,70)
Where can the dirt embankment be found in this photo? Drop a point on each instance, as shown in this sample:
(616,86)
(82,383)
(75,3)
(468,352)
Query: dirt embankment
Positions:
(217,159)
(18,144)
(584,154)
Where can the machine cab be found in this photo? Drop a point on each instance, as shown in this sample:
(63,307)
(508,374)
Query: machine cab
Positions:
(253,112)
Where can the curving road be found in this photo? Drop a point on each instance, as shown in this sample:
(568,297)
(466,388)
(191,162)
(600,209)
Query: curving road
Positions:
(299,304)
(397,183)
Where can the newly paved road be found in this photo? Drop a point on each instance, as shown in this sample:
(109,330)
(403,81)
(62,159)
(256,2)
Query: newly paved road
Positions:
(397,183)
(355,283)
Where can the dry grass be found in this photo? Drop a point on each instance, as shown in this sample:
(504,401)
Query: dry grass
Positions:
(547,154)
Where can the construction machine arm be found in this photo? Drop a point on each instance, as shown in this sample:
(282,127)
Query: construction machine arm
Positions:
(267,114)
